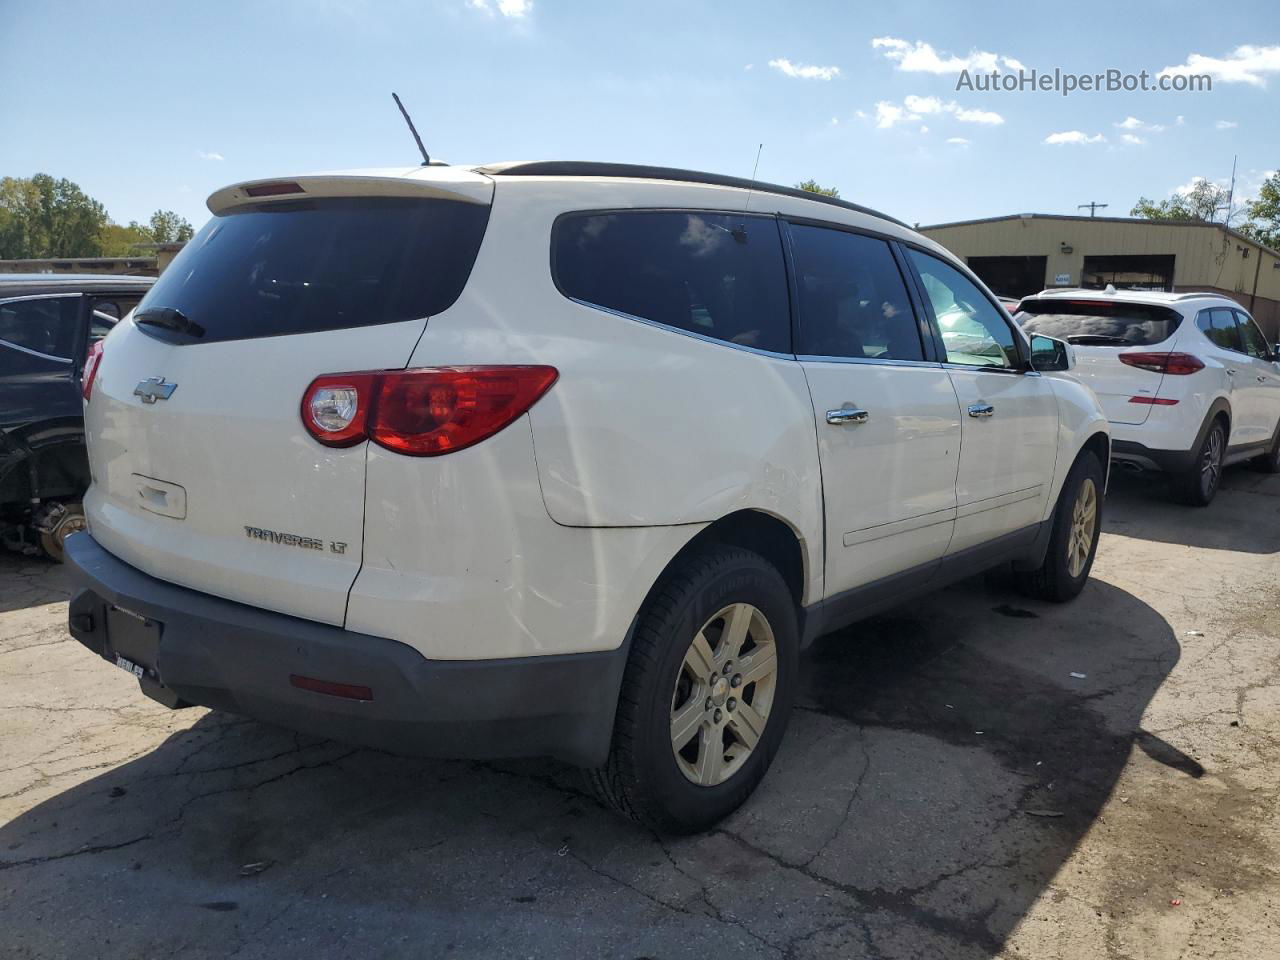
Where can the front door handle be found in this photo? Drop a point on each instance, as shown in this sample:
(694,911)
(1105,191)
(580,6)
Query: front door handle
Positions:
(1230,372)
(1261,378)
(847,415)
(981,410)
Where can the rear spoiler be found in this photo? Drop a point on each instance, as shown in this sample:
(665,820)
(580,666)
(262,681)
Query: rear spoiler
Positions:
(444,183)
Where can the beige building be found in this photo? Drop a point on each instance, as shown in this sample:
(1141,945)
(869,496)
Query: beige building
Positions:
(1025,253)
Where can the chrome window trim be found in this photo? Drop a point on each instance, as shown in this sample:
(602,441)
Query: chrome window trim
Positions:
(658,325)
(878,361)
(990,369)
(34,353)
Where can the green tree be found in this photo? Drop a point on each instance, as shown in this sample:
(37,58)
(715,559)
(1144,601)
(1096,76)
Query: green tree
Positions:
(1264,213)
(812,186)
(168,227)
(1201,202)
(125,241)
(44,217)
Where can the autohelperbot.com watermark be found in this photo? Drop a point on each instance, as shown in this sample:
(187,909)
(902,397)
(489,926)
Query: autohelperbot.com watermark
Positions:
(1065,82)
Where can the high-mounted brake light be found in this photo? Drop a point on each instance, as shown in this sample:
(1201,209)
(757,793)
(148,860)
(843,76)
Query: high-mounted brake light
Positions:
(1176,364)
(90,371)
(424,412)
(278,189)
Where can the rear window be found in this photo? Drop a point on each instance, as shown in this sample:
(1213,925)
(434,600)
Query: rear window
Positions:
(718,275)
(304,266)
(1092,323)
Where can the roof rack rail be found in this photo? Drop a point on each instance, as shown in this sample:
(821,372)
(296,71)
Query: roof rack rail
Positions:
(581,168)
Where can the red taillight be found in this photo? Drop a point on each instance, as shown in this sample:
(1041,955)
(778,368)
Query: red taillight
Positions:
(277,189)
(425,412)
(1154,401)
(1177,364)
(90,368)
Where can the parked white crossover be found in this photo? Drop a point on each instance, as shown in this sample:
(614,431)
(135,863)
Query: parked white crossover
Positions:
(559,458)
(1187,380)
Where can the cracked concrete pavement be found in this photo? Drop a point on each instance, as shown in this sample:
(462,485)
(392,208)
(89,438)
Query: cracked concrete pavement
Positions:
(947,789)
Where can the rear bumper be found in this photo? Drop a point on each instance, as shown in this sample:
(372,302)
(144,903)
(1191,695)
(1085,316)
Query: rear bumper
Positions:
(1149,458)
(230,656)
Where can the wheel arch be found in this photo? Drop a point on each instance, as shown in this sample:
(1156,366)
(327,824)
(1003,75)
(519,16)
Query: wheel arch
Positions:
(773,538)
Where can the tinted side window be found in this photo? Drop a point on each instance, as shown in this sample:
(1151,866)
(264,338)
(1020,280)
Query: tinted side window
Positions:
(1255,344)
(853,300)
(46,326)
(974,332)
(1219,326)
(719,275)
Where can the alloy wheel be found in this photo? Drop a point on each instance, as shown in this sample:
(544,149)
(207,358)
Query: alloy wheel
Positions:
(1211,463)
(724,692)
(1084,527)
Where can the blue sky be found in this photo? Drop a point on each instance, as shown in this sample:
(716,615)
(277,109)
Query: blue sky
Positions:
(156,105)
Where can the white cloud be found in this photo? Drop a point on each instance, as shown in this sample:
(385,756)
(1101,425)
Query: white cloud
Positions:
(978,116)
(749,66)
(834,122)
(921,57)
(860,114)
(958,141)
(923,128)
(1133,123)
(209,155)
(1131,138)
(1180,121)
(511,9)
(1245,64)
(913,108)
(1073,136)
(1226,124)
(888,114)
(804,71)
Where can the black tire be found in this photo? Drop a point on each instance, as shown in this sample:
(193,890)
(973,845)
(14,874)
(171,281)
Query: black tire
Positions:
(642,778)
(1269,462)
(1197,485)
(1053,579)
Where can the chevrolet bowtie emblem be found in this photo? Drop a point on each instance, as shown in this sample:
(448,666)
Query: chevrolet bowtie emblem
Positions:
(153,389)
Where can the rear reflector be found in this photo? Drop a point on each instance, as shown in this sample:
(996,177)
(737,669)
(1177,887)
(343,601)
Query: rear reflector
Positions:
(350,691)
(1154,401)
(278,189)
(1175,364)
(425,412)
(91,363)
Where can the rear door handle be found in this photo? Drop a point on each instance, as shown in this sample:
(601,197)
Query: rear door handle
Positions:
(981,410)
(1230,372)
(847,415)
(1261,378)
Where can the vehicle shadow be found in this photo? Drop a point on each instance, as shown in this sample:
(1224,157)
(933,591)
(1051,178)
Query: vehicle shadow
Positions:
(943,763)
(1241,518)
(30,582)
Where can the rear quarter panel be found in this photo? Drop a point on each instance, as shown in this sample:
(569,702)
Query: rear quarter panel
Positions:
(646,426)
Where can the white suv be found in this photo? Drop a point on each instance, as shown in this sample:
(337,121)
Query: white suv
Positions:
(1187,380)
(558,458)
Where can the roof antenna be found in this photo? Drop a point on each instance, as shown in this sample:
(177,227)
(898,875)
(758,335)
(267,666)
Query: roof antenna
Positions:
(753,178)
(426,160)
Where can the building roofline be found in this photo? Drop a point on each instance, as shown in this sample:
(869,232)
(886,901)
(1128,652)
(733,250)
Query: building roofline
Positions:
(1132,220)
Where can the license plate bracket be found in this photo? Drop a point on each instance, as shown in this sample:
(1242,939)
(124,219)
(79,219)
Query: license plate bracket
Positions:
(133,642)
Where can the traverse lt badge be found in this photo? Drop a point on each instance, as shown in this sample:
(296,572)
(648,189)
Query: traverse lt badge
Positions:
(153,389)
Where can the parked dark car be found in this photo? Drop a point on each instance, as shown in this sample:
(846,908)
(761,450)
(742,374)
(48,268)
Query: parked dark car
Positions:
(47,324)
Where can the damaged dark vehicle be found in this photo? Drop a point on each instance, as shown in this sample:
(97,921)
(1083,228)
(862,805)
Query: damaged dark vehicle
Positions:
(48,323)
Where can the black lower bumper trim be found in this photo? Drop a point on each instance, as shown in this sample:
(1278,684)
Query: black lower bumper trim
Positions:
(230,656)
(1170,461)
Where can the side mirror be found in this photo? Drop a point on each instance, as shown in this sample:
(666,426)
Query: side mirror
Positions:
(1049,354)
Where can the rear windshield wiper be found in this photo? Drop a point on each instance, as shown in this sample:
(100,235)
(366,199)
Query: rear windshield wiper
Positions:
(170,318)
(1099,338)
